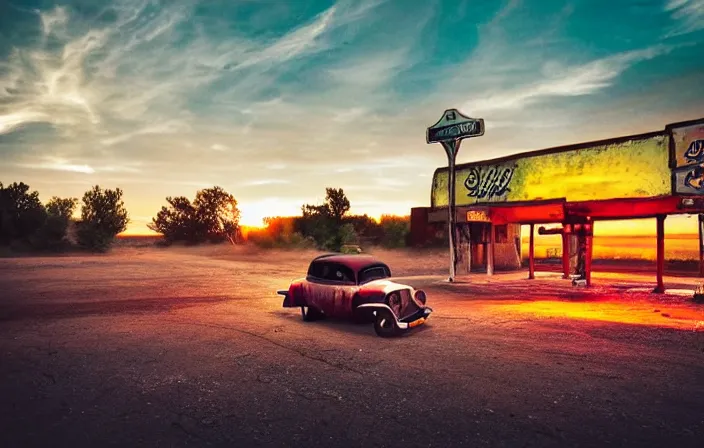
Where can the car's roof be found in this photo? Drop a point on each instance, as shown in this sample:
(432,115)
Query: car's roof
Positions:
(354,262)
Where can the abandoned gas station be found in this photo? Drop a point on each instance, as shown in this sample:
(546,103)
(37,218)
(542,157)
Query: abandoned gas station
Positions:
(650,175)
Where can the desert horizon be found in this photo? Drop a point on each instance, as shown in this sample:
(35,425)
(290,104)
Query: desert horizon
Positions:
(614,247)
(682,247)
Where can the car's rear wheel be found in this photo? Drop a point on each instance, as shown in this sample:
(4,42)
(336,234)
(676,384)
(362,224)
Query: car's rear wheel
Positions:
(310,314)
(385,324)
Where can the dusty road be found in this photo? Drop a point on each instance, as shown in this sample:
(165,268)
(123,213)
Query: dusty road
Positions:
(192,348)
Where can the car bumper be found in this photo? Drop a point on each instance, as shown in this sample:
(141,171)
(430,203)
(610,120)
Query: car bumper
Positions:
(414,320)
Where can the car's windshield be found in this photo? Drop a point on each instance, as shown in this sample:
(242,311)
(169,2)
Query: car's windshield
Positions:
(374,273)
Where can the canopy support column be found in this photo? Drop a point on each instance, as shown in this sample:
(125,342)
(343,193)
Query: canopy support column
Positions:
(531,254)
(565,255)
(589,250)
(490,251)
(660,288)
(701,244)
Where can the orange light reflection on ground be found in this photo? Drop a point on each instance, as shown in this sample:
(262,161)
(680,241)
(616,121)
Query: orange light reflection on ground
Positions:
(639,312)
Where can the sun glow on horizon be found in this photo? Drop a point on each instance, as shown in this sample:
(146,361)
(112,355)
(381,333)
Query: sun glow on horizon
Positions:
(252,214)
(256,222)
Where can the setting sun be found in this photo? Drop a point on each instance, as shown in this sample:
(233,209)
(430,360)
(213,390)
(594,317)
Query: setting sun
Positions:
(252,221)
(252,214)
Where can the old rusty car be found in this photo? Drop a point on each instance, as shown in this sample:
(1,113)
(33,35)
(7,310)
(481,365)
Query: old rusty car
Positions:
(357,287)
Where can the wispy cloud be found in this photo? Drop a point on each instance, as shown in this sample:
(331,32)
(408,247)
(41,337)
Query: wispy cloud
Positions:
(371,71)
(258,182)
(300,41)
(561,81)
(62,164)
(166,127)
(51,19)
(219,147)
(13,120)
(688,13)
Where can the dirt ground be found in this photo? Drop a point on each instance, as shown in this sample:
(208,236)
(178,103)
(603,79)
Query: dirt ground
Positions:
(190,347)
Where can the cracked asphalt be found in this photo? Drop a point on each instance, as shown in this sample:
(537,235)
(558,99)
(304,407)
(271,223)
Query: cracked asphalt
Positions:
(190,347)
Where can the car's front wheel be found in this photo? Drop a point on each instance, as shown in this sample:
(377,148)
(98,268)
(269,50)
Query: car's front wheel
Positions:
(310,314)
(385,324)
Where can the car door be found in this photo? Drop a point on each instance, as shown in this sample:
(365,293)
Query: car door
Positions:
(330,288)
(343,286)
(315,290)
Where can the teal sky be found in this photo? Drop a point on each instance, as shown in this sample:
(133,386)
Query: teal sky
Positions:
(275,100)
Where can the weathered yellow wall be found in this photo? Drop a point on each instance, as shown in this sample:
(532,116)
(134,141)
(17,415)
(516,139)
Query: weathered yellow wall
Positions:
(637,168)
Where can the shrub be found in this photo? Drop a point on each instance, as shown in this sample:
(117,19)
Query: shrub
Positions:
(395,230)
(103,216)
(53,235)
(21,213)
(212,216)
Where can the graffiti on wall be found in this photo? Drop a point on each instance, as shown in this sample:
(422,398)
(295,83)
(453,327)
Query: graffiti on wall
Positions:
(695,151)
(688,145)
(631,169)
(488,182)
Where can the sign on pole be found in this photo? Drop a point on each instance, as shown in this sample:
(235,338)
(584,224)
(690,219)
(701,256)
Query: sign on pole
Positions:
(454,126)
(449,131)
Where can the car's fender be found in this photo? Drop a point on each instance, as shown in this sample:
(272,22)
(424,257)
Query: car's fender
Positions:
(292,296)
(384,306)
(363,296)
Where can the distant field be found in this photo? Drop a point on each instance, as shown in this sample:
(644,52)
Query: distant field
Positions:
(677,247)
(137,240)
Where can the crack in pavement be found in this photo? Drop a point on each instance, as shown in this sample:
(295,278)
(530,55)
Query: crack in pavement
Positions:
(271,341)
(178,425)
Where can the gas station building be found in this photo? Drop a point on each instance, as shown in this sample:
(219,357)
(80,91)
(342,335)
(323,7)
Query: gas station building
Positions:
(650,175)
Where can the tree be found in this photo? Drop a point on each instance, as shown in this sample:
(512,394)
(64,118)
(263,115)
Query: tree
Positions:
(212,216)
(395,230)
(21,212)
(217,210)
(315,223)
(337,204)
(348,235)
(103,216)
(369,230)
(281,229)
(178,222)
(324,222)
(61,207)
(53,235)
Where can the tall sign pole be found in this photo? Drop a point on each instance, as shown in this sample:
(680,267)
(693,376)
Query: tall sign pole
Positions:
(449,131)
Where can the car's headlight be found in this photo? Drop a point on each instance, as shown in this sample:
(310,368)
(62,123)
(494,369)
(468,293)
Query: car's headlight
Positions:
(420,296)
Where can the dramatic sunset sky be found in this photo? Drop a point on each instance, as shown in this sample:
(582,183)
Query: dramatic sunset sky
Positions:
(275,100)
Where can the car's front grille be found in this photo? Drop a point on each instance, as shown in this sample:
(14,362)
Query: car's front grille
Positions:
(408,305)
